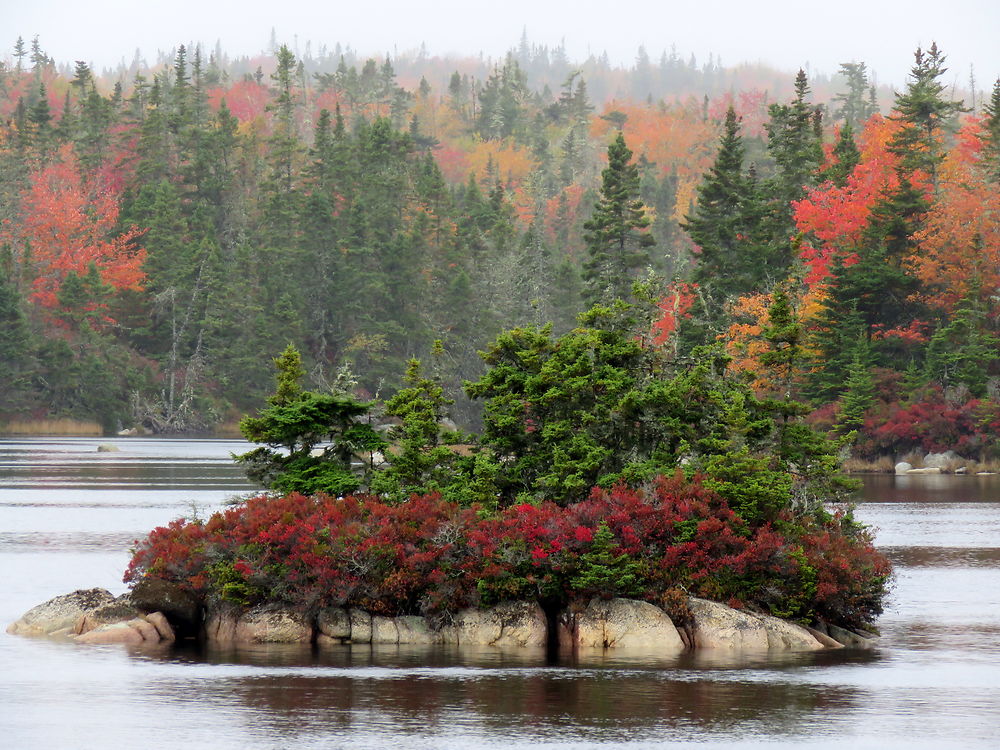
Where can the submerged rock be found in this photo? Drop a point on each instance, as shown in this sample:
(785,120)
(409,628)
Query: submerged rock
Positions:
(850,638)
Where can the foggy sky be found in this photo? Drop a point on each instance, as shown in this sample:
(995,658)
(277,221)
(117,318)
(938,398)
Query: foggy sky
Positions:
(785,33)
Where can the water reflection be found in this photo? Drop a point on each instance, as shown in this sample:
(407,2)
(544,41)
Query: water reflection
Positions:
(929,488)
(514,693)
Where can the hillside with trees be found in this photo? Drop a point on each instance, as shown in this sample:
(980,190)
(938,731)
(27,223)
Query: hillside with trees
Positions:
(167,230)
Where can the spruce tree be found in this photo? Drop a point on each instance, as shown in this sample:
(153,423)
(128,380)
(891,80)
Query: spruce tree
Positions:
(616,234)
(794,141)
(854,106)
(859,392)
(725,227)
(925,113)
(991,138)
(847,156)
(962,350)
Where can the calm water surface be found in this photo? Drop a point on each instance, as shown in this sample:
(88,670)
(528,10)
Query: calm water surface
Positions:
(68,515)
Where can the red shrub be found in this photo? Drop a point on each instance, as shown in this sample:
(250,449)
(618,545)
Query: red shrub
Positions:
(431,556)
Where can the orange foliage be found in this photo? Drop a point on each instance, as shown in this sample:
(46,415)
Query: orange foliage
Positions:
(675,137)
(67,229)
(960,241)
(511,163)
(744,340)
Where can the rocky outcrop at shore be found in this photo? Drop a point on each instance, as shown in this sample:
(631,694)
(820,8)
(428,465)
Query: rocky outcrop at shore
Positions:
(96,617)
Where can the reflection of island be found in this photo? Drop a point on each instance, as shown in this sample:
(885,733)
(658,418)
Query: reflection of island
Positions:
(303,694)
(918,488)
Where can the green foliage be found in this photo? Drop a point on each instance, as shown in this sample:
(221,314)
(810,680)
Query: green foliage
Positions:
(725,227)
(991,149)
(616,236)
(294,423)
(925,114)
(419,457)
(859,392)
(594,407)
(603,573)
(962,351)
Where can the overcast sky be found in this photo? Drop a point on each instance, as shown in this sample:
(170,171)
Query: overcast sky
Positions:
(786,33)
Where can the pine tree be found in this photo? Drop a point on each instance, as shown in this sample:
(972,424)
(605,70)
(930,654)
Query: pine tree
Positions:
(15,342)
(794,141)
(616,234)
(859,392)
(847,156)
(962,350)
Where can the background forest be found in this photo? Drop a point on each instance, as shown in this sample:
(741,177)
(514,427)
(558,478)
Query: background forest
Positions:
(166,230)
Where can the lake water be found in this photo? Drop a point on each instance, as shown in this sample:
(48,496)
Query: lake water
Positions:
(68,515)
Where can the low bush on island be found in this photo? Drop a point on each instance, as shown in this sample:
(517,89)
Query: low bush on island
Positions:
(605,468)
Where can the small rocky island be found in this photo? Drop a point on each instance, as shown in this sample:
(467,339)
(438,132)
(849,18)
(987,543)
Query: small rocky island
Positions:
(157,613)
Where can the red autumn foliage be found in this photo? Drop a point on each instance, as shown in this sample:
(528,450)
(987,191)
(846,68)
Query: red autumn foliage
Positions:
(246,100)
(429,556)
(674,306)
(932,424)
(833,218)
(67,225)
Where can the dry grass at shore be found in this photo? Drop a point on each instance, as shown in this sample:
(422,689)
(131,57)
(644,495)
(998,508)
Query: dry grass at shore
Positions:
(43,427)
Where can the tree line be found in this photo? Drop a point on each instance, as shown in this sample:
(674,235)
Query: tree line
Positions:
(164,237)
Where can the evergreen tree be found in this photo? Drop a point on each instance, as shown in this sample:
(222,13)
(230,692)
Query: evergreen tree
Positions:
(962,351)
(295,421)
(794,141)
(616,236)
(925,113)
(15,343)
(725,227)
(991,138)
(846,154)
(854,106)
(859,392)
